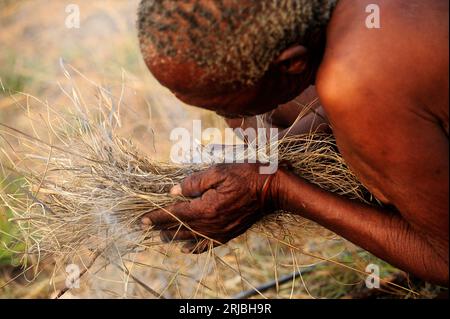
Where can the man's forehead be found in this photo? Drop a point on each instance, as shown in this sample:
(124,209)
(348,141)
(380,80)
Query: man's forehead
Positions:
(230,41)
(220,36)
(184,77)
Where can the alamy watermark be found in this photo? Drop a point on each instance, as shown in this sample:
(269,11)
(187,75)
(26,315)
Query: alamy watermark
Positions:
(73,276)
(373,20)
(72,20)
(373,279)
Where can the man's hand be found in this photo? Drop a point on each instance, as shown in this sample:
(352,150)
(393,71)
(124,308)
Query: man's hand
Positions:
(226,201)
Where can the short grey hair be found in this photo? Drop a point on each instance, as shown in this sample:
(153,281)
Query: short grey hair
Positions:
(236,40)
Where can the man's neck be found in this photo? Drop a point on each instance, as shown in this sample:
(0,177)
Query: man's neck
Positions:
(314,19)
(315,33)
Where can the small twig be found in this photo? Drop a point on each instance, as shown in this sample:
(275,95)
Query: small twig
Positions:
(139,282)
(91,263)
(271,284)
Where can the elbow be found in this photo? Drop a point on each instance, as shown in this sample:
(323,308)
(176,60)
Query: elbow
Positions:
(441,274)
(435,271)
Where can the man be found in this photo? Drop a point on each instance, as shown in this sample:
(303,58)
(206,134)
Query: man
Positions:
(384,91)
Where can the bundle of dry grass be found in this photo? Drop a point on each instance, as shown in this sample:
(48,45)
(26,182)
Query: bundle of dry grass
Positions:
(85,188)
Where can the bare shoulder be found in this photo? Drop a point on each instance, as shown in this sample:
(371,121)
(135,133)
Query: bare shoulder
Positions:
(407,55)
(385,91)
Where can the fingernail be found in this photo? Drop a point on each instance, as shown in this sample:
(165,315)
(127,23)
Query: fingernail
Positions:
(185,250)
(176,190)
(146,221)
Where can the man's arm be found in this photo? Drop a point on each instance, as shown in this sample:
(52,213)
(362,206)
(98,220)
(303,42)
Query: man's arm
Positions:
(226,202)
(399,151)
(382,232)
(300,116)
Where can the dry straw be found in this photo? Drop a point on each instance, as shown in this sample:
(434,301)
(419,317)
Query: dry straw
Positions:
(85,188)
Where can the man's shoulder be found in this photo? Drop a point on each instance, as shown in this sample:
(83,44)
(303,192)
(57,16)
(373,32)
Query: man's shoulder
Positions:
(365,60)
(349,77)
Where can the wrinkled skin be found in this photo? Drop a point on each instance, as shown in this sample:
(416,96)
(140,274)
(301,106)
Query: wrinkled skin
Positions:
(284,77)
(386,98)
(220,210)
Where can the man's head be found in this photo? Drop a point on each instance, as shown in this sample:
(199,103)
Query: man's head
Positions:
(237,57)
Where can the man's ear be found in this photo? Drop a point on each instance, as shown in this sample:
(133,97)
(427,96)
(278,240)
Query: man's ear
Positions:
(292,60)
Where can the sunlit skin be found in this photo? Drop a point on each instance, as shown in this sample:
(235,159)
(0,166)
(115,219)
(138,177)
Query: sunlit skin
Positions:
(300,116)
(385,93)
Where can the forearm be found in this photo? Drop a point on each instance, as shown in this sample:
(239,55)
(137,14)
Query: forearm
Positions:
(286,116)
(314,121)
(381,232)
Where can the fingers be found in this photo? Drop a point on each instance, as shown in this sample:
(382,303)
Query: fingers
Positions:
(198,183)
(193,244)
(180,234)
(197,247)
(184,212)
(176,190)
(192,186)
(165,217)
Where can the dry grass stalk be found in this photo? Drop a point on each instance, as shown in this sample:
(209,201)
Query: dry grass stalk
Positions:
(85,188)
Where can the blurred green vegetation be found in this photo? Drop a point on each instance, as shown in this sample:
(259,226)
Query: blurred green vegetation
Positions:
(334,281)
(11,248)
(7,230)
(11,80)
